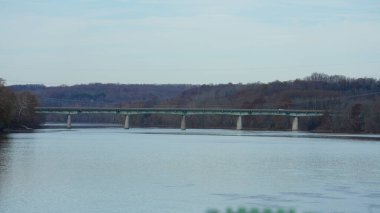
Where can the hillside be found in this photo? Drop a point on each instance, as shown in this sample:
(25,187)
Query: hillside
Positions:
(98,95)
(354,104)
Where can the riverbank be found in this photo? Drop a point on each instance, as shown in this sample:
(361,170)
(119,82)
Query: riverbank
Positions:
(24,129)
(209,131)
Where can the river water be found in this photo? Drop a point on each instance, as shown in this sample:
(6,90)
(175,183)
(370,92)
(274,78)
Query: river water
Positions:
(172,171)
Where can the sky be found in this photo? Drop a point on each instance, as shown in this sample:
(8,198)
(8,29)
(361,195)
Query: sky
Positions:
(55,42)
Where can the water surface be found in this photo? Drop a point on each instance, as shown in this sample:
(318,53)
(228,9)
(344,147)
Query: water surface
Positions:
(171,171)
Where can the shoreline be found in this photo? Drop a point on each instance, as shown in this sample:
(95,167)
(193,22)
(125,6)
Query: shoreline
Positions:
(229,132)
(105,125)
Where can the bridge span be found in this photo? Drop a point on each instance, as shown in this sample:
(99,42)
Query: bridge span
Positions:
(69,111)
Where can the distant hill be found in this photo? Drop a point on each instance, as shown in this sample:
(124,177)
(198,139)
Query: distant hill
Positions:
(354,104)
(351,105)
(100,95)
(318,91)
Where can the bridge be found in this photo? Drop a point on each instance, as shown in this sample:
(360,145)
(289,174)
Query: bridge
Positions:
(69,111)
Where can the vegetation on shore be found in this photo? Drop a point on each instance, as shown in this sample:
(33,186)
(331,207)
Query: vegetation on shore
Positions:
(17,109)
(355,102)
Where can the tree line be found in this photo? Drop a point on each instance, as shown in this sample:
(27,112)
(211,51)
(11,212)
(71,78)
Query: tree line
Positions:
(17,109)
(99,95)
(351,104)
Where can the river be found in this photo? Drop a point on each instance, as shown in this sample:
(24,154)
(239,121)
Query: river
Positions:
(172,171)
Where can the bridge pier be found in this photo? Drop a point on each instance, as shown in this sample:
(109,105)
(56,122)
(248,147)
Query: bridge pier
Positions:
(295,124)
(126,123)
(69,121)
(183,122)
(239,123)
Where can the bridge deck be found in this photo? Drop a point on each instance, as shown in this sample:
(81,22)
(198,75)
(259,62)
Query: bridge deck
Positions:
(178,111)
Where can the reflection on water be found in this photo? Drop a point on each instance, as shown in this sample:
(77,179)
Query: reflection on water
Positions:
(166,170)
(4,150)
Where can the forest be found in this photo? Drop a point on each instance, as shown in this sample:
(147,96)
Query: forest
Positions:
(350,104)
(98,94)
(17,109)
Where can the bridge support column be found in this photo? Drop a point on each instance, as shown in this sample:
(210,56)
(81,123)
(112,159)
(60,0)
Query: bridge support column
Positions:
(126,123)
(183,122)
(69,121)
(239,123)
(295,124)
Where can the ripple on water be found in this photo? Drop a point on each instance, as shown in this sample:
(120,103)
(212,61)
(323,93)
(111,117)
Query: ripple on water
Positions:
(311,195)
(373,195)
(341,189)
(261,197)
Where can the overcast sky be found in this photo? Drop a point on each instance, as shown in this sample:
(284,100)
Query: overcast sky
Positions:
(179,41)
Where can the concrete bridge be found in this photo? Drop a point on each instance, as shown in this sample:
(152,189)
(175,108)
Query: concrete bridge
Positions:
(69,111)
